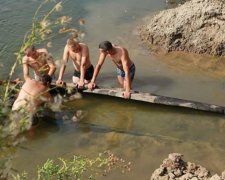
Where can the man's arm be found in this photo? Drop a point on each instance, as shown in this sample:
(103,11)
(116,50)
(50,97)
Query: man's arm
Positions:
(63,66)
(51,65)
(101,60)
(25,69)
(50,61)
(127,82)
(84,56)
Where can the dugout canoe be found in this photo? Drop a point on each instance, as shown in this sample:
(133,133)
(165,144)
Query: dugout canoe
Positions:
(158,99)
(69,89)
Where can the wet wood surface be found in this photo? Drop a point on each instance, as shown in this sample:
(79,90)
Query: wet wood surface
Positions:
(158,99)
(69,89)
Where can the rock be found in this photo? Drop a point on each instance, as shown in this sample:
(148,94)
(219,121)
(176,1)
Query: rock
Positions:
(159,172)
(79,115)
(178,172)
(202,172)
(171,175)
(191,167)
(167,163)
(174,167)
(223,175)
(215,177)
(161,178)
(194,178)
(175,157)
(196,26)
(186,176)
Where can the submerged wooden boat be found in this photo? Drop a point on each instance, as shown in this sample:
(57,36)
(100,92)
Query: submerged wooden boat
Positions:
(153,98)
(69,90)
(158,99)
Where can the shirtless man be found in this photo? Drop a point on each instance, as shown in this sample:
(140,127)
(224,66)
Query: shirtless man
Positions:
(40,61)
(125,67)
(79,53)
(33,94)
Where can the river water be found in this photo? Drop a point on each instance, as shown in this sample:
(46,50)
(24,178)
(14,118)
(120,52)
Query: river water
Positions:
(139,132)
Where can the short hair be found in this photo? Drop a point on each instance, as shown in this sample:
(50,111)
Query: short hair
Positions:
(46,79)
(71,41)
(29,49)
(105,45)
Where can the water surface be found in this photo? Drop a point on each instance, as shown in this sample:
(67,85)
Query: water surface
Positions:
(141,133)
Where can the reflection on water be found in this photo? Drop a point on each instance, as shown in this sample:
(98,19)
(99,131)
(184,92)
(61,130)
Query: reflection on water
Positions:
(140,132)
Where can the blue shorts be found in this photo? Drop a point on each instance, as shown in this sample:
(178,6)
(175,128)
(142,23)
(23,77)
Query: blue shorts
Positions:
(122,73)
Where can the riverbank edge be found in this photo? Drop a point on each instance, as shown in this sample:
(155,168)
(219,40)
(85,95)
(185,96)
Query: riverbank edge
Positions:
(196,26)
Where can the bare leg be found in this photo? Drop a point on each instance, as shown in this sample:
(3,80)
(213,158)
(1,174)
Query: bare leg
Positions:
(87,81)
(121,81)
(75,79)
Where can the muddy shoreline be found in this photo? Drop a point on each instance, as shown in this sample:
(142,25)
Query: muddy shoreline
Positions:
(192,33)
(196,26)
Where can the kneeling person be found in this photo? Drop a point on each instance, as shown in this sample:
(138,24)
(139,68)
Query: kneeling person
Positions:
(33,94)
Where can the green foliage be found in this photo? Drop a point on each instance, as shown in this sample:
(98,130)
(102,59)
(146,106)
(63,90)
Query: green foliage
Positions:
(66,169)
(22,176)
(43,30)
(78,168)
(44,27)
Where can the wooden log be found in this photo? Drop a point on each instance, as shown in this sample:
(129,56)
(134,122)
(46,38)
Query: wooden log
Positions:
(158,99)
(69,89)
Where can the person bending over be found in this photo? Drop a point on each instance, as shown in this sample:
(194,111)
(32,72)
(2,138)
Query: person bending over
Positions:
(83,69)
(125,67)
(40,61)
(33,94)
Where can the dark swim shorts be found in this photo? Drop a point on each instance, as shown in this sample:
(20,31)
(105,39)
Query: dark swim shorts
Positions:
(88,74)
(122,73)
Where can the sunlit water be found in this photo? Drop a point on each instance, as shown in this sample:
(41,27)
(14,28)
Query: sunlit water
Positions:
(141,133)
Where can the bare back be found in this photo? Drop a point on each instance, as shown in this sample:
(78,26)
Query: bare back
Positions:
(32,94)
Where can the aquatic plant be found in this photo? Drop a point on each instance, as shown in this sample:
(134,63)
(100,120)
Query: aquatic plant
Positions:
(79,167)
(44,27)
